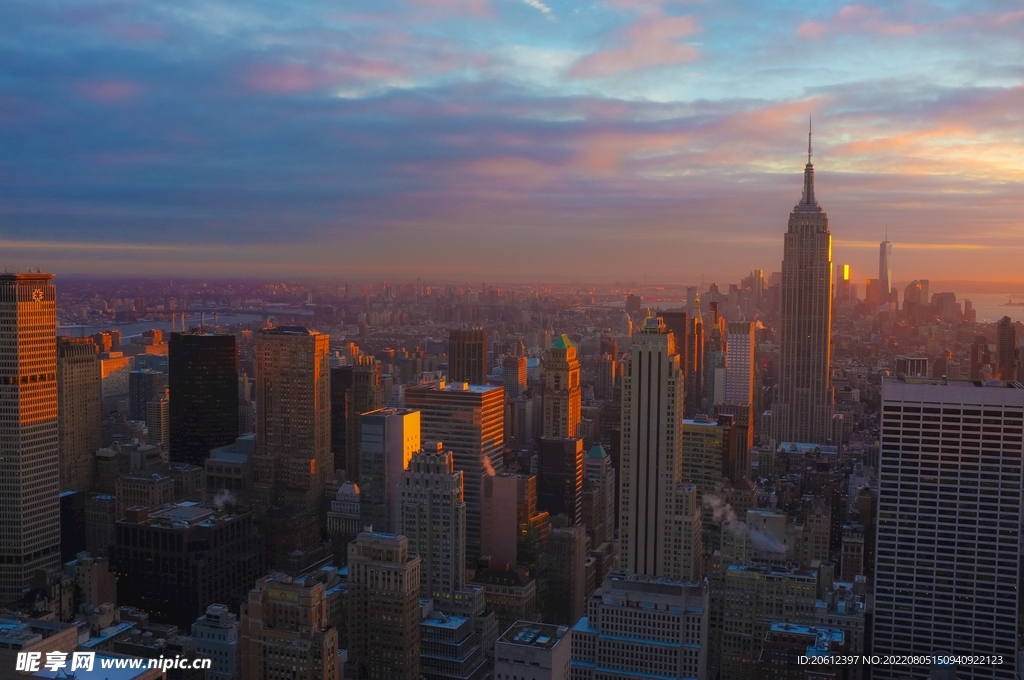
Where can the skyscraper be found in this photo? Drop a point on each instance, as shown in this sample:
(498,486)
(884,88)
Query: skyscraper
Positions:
(29,443)
(599,475)
(708,452)
(562,393)
(802,411)
(78,415)
(285,632)
(143,387)
(293,433)
(564,577)
(650,461)
(469,420)
(467,356)
(390,437)
(499,525)
(383,608)
(885,267)
(158,425)
(693,365)
(716,354)
(1007,352)
(739,382)
(434,521)
(341,395)
(514,376)
(560,477)
(203,380)
(948,563)
(366,394)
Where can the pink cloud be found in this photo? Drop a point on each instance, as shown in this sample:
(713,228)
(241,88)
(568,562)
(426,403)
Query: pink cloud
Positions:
(652,40)
(811,29)
(875,21)
(109,91)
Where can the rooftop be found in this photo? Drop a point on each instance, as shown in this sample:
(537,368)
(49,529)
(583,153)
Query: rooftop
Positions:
(823,637)
(803,448)
(532,634)
(287,330)
(562,342)
(455,387)
(439,620)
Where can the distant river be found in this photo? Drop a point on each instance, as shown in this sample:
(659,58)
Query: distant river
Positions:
(130,330)
(990,305)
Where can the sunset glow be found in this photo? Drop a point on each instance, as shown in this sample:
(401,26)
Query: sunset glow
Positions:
(508,140)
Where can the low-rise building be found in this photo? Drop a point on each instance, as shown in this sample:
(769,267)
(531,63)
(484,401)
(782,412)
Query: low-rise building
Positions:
(215,636)
(510,594)
(533,651)
(639,626)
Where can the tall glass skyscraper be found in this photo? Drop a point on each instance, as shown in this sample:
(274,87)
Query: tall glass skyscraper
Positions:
(948,563)
(803,406)
(203,381)
(29,449)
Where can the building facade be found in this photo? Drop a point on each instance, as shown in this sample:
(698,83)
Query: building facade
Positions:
(389,439)
(215,635)
(467,356)
(285,631)
(433,519)
(563,398)
(469,421)
(650,460)
(641,627)
(78,413)
(948,561)
(175,560)
(29,433)
(293,458)
(560,477)
(203,381)
(383,608)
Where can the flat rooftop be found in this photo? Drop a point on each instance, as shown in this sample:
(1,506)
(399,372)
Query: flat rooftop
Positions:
(532,634)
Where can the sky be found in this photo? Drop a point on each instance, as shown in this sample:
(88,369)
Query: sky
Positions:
(508,140)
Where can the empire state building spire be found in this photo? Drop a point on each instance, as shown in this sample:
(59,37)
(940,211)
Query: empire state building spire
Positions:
(807,202)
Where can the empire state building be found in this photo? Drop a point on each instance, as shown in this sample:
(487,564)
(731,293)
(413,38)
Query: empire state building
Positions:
(803,406)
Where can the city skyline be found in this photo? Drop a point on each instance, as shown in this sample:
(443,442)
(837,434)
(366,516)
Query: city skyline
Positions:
(214,140)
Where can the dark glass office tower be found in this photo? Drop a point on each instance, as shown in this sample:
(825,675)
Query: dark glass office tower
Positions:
(203,377)
(467,356)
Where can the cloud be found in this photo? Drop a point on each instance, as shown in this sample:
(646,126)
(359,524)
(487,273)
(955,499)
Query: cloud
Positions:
(539,6)
(305,140)
(876,21)
(650,41)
